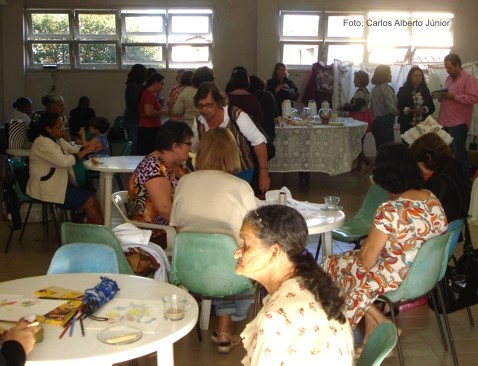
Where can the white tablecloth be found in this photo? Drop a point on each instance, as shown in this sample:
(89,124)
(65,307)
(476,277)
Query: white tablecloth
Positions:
(328,149)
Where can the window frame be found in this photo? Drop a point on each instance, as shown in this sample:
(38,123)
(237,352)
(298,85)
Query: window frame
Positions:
(74,40)
(324,41)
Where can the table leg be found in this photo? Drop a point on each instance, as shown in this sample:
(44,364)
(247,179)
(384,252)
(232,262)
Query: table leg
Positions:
(327,244)
(165,355)
(107,189)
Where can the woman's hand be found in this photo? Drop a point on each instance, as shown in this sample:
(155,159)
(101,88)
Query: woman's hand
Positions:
(371,247)
(22,334)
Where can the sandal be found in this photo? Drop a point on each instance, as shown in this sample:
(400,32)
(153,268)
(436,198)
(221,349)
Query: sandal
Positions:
(225,347)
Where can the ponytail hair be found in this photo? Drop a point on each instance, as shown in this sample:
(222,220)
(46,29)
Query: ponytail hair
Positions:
(286,227)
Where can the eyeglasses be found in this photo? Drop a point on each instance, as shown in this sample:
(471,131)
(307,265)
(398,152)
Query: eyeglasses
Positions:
(206,106)
(187,143)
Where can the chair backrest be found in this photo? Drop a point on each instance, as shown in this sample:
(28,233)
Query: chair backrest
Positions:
(375,196)
(379,344)
(361,222)
(84,258)
(204,264)
(20,174)
(120,198)
(454,229)
(81,233)
(127,148)
(424,270)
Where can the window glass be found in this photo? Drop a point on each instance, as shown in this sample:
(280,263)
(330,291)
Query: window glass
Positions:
(48,25)
(296,25)
(350,26)
(96,24)
(300,54)
(97,53)
(190,24)
(345,52)
(387,55)
(51,53)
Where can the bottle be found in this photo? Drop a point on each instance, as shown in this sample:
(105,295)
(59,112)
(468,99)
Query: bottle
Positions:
(312,107)
(282,198)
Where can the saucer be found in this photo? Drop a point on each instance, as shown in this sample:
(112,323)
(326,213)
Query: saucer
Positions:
(119,335)
(336,208)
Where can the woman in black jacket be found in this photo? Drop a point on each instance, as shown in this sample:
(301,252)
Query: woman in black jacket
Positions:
(414,100)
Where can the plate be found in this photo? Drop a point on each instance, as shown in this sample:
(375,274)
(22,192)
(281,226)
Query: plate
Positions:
(119,335)
(336,123)
(336,208)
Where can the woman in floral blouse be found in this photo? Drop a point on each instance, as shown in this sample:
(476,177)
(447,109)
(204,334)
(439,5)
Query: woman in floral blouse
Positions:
(152,184)
(301,321)
(399,228)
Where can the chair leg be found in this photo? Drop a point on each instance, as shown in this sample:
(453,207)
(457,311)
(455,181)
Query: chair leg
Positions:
(319,245)
(205,314)
(437,315)
(394,320)
(470,316)
(9,241)
(118,180)
(447,326)
(55,223)
(198,331)
(25,222)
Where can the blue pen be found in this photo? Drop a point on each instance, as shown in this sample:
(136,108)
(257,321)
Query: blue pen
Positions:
(72,326)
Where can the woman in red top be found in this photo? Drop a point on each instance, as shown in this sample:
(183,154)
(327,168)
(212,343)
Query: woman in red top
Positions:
(150,112)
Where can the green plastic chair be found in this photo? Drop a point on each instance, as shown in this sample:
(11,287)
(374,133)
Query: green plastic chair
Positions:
(379,344)
(204,264)
(84,258)
(358,226)
(421,278)
(18,172)
(81,233)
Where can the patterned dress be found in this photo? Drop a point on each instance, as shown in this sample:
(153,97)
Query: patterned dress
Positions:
(140,207)
(408,224)
(292,329)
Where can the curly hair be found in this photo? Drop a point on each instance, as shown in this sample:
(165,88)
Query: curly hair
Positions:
(396,170)
(285,226)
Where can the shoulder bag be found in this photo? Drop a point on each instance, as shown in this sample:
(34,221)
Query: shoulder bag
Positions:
(460,284)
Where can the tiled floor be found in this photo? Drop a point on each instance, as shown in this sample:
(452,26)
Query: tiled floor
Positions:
(420,337)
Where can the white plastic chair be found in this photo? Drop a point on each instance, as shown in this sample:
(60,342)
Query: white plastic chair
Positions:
(120,198)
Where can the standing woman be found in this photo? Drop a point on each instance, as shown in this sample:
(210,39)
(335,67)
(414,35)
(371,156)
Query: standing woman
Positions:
(383,102)
(134,82)
(150,112)
(281,86)
(414,100)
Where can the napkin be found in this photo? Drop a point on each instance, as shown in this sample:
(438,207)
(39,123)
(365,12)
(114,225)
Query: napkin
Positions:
(427,126)
(129,234)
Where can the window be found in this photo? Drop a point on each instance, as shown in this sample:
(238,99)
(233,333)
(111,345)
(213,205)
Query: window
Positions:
(112,39)
(376,37)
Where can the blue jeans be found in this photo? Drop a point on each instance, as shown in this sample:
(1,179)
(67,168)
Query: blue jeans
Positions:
(458,145)
(238,309)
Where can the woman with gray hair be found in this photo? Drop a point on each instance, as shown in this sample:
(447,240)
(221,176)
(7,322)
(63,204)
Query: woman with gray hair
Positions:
(53,103)
(301,321)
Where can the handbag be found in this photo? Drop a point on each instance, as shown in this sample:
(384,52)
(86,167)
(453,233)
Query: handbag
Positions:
(460,283)
(233,113)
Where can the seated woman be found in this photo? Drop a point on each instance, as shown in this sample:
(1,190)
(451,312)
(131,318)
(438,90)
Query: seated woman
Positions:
(51,170)
(227,199)
(443,175)
(151,186)
(23,110)
(401,225)
(301,322)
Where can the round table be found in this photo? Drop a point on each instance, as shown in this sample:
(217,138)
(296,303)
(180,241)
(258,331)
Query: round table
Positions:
(112,165)
(88,350)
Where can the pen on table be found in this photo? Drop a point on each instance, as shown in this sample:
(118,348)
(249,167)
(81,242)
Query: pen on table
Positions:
(72,326)
(65,329)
